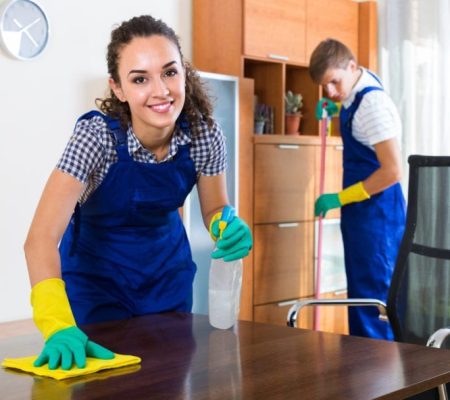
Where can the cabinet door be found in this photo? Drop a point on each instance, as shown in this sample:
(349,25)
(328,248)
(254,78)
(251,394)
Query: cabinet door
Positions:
(276,314)
(275,29)
(283,262)
(284,183)
(333,173)
(337,19)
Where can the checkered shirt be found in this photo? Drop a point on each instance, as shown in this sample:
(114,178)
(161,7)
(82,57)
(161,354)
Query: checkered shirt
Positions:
(91,151)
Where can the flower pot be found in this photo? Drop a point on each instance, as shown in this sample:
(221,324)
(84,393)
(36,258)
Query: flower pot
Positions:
(259,127)
(292,124)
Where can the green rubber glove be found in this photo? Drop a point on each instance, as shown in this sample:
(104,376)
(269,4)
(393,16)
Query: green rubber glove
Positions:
(235,241)
(327,104)
(69,346)
(326,202)
(351,194)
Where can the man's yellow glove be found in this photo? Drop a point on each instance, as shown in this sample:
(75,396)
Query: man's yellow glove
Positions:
(351,194)
(65,342)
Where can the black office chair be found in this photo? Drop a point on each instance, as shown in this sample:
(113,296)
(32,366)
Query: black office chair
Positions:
(418,305)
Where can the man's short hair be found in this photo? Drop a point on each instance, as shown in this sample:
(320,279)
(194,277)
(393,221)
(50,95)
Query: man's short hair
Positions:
(329,53)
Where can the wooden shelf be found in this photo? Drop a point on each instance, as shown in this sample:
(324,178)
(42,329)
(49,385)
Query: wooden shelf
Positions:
(241,38)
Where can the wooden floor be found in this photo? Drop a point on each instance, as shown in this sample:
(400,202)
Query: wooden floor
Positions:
(17,328)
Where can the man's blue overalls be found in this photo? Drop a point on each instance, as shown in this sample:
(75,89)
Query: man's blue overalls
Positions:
(371,231)
(125,251)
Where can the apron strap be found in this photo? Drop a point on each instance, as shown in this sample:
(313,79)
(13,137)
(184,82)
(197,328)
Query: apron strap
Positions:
(119,134)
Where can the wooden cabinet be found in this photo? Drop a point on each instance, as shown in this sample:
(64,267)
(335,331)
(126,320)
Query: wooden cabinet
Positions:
(283,261)
(284,182)
(273,79)
(286,177)
(283,20)
(268,43)
(271,42)
(336,19)
(227,32)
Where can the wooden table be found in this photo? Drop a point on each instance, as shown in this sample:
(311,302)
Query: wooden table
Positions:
(184,358)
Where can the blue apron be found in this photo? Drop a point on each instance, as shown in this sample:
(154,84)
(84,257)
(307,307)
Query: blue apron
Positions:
(125,251)
(371,231)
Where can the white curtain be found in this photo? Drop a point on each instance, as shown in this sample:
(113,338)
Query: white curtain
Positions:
(414,63)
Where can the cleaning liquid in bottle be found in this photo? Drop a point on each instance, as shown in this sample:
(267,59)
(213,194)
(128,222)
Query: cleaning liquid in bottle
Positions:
(225,281)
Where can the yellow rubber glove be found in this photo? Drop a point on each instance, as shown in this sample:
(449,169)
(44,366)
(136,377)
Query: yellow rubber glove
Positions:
(51,308)
(65,343)
(351,194)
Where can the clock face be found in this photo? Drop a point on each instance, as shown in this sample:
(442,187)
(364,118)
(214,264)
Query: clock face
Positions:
(23,29)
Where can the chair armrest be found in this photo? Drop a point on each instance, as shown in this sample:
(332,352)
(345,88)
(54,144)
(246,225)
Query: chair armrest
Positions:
(438,337)
(436,340)
(298,305)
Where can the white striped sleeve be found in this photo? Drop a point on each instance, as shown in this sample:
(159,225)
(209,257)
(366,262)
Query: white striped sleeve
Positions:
(376,119)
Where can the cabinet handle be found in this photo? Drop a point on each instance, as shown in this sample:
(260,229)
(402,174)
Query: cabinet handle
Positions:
(288,146)
(339,147)
(278,57)
(288,225)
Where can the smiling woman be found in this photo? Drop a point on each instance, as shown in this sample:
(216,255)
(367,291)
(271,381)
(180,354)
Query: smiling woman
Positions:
(151,80)
(108,220)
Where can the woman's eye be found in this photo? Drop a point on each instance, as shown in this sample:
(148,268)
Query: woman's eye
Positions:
(139,80)
(171,72)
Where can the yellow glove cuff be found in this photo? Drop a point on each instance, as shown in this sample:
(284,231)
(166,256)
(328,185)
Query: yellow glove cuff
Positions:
(353,194)
(51,308)
(215,217)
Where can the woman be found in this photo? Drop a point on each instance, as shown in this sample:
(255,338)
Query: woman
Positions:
(126,172)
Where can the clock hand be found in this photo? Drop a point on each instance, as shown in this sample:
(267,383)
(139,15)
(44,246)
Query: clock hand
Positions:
(25,29)
(19,25)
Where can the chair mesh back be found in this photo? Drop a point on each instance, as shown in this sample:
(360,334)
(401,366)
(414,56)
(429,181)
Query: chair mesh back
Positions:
(419,296)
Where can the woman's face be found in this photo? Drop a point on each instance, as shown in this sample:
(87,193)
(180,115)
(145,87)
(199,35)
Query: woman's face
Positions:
(152,81)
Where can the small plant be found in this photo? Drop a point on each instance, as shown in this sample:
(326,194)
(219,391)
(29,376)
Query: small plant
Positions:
(260,115)
(293,102)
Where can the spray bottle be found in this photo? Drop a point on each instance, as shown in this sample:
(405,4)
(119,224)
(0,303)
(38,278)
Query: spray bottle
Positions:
(225,281)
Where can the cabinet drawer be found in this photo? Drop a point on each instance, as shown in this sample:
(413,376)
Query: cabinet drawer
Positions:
(283,262)
(284,183)
(276,314)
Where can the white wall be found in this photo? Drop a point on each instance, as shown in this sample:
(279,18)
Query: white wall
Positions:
(39,103)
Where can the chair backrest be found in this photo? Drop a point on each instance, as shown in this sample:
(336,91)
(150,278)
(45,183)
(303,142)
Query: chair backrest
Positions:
(419,296)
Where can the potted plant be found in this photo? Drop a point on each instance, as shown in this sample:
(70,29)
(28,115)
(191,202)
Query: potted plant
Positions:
(293,103)
(260,118)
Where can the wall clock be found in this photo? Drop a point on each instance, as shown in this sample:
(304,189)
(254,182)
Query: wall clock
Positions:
(24,29)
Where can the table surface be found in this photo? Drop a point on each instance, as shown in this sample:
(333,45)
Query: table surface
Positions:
(183,357)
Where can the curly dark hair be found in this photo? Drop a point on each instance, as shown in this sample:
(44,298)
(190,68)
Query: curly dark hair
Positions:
(197,106)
